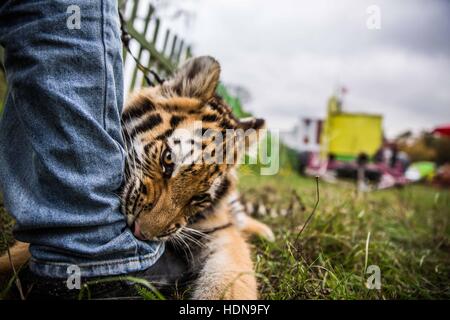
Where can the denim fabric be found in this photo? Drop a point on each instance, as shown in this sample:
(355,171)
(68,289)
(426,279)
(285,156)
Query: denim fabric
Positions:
(171,274)
(61,150)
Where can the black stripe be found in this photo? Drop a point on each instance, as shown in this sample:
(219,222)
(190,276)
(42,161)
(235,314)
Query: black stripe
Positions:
(148,146)
(137,111)
(149,123)
(165,134)
(226,124)
(127,196)
(209,118)
(133,157)
(222,190)
(175,120)
(144,189)
(133,210)
(212,230)
(215,170)
(201,132)
(214,104)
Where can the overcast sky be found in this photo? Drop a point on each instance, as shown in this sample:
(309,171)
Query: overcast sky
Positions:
(292,55)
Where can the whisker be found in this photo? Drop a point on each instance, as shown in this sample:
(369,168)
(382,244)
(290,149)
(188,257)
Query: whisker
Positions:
(197,232)
(192,239)
(178,235)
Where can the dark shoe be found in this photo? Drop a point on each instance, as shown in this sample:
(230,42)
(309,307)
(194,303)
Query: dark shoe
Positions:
(168,275)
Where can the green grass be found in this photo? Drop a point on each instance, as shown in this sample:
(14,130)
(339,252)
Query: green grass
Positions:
(6,226)
(409,240)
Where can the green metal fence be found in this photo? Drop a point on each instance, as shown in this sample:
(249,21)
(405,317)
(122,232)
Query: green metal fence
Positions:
(145,28)
(165,59)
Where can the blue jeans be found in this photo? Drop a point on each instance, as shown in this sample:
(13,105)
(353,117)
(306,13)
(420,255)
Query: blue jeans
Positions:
(61,149)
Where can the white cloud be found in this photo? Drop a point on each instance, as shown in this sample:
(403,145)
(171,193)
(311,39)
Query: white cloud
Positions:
(291,55)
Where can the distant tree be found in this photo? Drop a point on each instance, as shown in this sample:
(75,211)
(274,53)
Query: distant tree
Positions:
(442,147)
(418,148)
(426,147)
(404,135)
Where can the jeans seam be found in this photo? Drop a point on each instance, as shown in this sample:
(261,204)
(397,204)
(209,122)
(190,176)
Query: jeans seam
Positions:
(103,268)
(145,257)
(105,69)
(122,154)
(100,263)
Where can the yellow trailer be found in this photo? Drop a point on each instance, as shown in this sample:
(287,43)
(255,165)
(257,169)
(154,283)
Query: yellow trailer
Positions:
(346,135)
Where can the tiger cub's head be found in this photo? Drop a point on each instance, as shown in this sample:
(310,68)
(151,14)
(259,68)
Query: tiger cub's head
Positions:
(183,145)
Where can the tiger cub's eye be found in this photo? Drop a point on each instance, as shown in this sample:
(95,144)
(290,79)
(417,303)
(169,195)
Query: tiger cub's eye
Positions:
(167,162)
(201,198)
(167,157)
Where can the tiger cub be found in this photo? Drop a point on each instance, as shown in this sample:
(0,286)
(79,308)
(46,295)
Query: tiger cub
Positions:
(181,177)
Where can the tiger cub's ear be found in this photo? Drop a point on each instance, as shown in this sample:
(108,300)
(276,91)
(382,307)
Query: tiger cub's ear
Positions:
(197,78)
(252,123)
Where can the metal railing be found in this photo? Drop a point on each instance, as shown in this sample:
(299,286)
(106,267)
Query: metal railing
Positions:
(145,29)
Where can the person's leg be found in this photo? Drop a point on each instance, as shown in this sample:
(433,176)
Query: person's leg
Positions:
(61,154)
(171,275)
